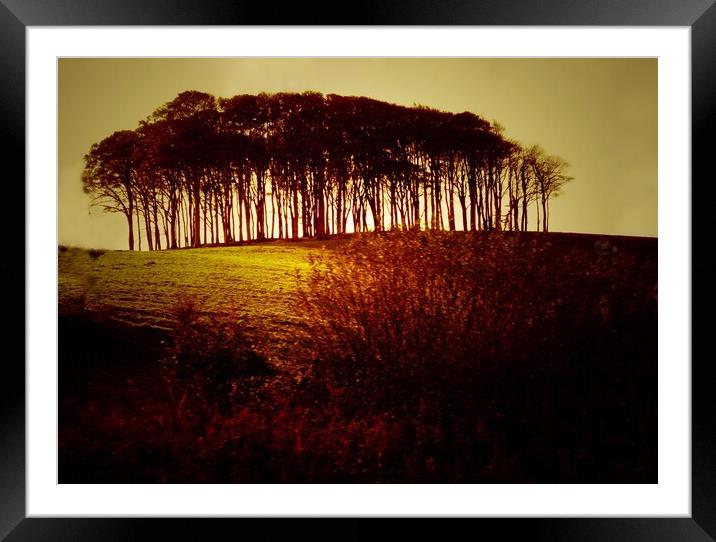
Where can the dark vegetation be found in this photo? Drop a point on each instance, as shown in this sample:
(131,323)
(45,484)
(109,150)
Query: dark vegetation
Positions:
(206,171)
(421,357)
(95,253)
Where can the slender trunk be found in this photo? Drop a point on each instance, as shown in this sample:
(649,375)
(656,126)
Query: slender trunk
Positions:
(147,222)
(280,204)
(139,232)
(319,221)
(305,231)
(206,216)
(130,215)
(451,208)
(196,225)
(184,219)
(247,207)
(294,216)
(130,227)
(260,205)
(217,211)
(472,193)
(425,205)
(463,208)
(273,211)
(340,211)
(240,217)
(538,215)
(173,219)
(157,238)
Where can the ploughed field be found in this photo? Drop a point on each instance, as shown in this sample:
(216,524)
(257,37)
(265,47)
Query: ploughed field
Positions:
(430,357)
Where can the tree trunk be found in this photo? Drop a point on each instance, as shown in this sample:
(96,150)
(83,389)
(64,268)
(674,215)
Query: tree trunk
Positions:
(130,226)
(196,226)
(157,238)
(472,193)
(173,220)
(130,214)
(294,216)
(463,208)
(139,232)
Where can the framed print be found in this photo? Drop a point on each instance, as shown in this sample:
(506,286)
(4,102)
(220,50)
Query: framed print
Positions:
(221,430)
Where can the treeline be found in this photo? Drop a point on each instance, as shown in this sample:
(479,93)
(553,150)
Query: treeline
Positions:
(202,170)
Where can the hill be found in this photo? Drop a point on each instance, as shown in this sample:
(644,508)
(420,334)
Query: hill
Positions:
(431,357)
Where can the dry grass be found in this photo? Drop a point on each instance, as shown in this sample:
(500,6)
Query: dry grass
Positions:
(250,285)
(425,357)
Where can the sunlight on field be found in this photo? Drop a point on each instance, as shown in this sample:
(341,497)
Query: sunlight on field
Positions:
(252,283)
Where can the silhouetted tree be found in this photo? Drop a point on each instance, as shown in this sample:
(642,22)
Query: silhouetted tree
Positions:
(110,176)
(549,174)
(202,170)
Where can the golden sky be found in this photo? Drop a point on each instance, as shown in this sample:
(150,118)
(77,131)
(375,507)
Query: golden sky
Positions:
(598,114)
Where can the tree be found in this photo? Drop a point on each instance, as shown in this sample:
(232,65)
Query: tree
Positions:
(110,175)
(307,165)
(550,177)
(191,117)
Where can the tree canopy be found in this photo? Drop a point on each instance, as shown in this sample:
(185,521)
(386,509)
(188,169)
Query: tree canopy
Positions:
(204,170)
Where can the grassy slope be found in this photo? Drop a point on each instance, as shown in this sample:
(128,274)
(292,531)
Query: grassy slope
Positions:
(140,288)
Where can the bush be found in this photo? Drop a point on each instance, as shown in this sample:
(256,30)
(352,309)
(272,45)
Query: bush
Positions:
(401,311)
(488,349)
(209,366)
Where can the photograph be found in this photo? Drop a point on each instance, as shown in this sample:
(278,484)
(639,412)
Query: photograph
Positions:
(357,270)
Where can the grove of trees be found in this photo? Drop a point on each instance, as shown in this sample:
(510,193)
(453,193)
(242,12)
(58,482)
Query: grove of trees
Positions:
(204,170)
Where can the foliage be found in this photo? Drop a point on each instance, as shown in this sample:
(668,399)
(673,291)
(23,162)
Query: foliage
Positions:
(206,362)
(489,342)
(424,357)
(202,170)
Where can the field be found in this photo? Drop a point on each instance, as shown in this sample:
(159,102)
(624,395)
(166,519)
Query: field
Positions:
(394,358)
(252,284)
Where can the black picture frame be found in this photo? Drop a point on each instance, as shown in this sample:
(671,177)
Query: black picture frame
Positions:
(16,15)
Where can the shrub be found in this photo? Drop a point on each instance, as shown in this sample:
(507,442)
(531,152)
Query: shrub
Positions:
(488,349)
(95,253)
(209,366)
(402,311)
